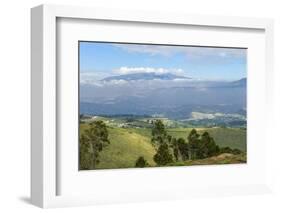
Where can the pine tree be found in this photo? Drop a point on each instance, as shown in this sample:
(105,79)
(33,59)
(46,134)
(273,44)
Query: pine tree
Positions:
(158,132)
(193,142)
(91,143)
(163,156)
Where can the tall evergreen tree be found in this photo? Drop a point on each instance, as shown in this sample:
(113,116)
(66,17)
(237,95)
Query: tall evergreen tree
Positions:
(161,141)
(193,143)
(85,154)
(183,148)
(92,142)
(163,156)
(175,148)
(209,147)
(158,132)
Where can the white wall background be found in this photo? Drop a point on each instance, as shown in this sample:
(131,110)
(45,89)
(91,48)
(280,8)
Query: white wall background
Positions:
(15,104)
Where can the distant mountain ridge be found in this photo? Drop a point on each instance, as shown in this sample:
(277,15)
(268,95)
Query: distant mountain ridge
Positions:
(172,99)
(145,76)
(241,82)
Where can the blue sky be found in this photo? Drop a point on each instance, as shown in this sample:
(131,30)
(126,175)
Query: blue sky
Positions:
(99,60)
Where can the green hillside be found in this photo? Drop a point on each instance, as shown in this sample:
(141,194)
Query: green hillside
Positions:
(225,158)
(235,138)
(127,144)
(124,149)
(232,137)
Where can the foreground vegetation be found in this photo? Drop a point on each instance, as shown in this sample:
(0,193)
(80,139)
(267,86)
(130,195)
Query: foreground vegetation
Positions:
(104,146)
(225,158)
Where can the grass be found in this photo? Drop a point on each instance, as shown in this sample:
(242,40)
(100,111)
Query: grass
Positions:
(220,159)
(232,137)
(127,144)
(235,138)
(124,149)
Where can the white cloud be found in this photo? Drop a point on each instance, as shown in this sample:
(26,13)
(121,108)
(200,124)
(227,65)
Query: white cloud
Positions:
(116,82)
(160,70)
(189,51)
(91,77)
(150,49)
(219,53)
(181,79)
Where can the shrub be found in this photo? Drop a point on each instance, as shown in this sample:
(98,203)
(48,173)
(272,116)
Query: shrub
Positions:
(141,162)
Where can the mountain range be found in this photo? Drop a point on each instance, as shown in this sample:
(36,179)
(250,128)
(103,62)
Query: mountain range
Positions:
(145,76)
(166,94)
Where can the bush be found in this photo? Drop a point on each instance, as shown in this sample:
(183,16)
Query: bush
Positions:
(141,162)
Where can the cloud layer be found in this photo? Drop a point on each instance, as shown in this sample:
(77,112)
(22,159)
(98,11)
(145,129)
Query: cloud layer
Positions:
(189,51)
(132,70)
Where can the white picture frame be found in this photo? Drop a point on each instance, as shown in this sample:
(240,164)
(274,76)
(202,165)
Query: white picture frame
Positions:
(44,150)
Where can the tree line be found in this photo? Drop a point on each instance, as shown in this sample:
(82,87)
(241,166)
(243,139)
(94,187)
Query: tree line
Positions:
(170,149)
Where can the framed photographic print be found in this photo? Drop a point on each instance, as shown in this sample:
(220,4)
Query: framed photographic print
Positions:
(148,105)
(136,113)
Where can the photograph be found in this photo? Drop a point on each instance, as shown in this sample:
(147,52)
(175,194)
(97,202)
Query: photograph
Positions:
(161,105)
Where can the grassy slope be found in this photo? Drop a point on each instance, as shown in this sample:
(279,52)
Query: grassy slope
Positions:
(232,137)
(221,159)
(125,147)
(128,144)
